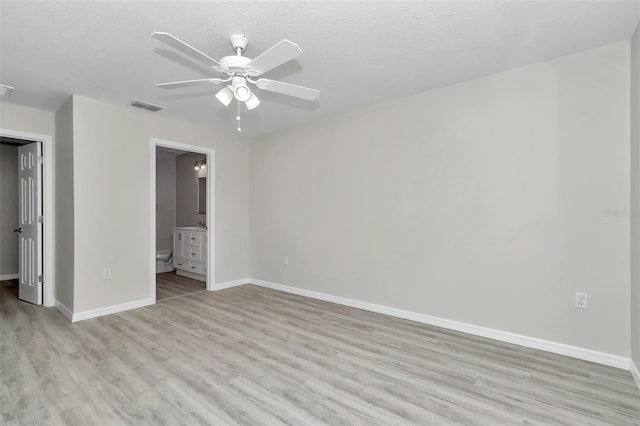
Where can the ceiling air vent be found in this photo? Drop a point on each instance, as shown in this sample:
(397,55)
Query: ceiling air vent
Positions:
(5,91)
(146,105)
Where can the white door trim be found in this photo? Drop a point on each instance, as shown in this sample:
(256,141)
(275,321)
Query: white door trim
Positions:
(211,218)
(48,186)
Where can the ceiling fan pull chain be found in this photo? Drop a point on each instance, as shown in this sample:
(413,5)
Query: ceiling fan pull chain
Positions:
(238,116)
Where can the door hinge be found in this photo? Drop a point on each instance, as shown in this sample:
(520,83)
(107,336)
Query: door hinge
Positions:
(40,159)
(40,279)
(40,219)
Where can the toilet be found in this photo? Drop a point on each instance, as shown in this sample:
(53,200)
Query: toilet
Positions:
(164,261)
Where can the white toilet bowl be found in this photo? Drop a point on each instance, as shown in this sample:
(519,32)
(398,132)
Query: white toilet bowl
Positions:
(164,261)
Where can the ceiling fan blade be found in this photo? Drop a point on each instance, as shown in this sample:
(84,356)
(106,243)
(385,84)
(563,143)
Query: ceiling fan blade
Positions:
(282,52)
(189,83)
(183,47)
(288,89)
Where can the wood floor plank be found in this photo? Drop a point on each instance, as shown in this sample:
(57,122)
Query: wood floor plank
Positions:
(250,356)
(170,285)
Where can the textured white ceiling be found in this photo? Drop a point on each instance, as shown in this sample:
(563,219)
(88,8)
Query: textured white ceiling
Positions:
(356,53)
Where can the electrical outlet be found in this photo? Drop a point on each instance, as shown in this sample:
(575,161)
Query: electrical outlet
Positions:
(106,274)
(285,260)
(581,300)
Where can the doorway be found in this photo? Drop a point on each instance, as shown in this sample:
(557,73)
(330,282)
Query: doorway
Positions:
(30,261)
(182,219)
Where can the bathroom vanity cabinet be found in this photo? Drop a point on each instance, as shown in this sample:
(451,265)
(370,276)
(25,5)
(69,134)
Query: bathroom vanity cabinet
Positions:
(190,252)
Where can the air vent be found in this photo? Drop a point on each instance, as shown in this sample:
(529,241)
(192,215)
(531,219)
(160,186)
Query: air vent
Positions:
(5,91)
(146,105)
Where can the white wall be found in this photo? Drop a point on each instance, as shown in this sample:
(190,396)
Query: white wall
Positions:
(165,199)
(64,205)
(482,202)
(31,120)
(635,197)
(8,209)
(111,152)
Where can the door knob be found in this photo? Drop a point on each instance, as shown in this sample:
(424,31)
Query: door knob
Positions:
(18,230)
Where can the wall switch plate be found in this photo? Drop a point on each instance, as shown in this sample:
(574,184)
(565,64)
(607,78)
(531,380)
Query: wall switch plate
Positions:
(285,260)
(106,274)
(581,300)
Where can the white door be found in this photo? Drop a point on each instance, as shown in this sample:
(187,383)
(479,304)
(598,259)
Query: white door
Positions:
(30,225)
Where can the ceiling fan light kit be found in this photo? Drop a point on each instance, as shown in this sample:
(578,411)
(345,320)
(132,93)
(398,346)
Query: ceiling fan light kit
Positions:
(252,102)
(240,89)
(240,71)
(225,96)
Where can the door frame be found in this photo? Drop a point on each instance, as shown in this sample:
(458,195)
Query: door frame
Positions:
(48,197)
(210,154)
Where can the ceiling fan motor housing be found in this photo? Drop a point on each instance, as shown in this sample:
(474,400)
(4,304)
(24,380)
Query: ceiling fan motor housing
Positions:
(235,64)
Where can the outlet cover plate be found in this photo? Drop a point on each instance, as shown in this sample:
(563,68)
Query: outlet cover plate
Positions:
(582,300)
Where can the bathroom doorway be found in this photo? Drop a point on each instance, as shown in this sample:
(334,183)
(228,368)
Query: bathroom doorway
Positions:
(182,190)
(26,234)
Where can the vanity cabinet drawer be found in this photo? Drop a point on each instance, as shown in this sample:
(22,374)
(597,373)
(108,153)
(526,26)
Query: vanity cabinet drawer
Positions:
(181,264)
(199,268)
(194,253)
(194,267)
(193,238)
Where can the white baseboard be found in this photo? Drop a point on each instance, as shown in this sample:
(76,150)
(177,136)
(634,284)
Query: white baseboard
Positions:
(229,284)
(107,310)
(65,311)
(503,336)
(93,313)
(635,373)
(9,277)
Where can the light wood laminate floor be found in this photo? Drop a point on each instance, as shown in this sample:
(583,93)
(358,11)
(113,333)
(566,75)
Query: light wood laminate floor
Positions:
(255,356)
(170,285)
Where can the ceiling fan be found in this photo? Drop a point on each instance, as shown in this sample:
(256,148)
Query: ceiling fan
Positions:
(240,71)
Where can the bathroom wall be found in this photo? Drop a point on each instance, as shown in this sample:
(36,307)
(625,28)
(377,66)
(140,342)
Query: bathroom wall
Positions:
(8,209)
(165,199)
(187,189)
